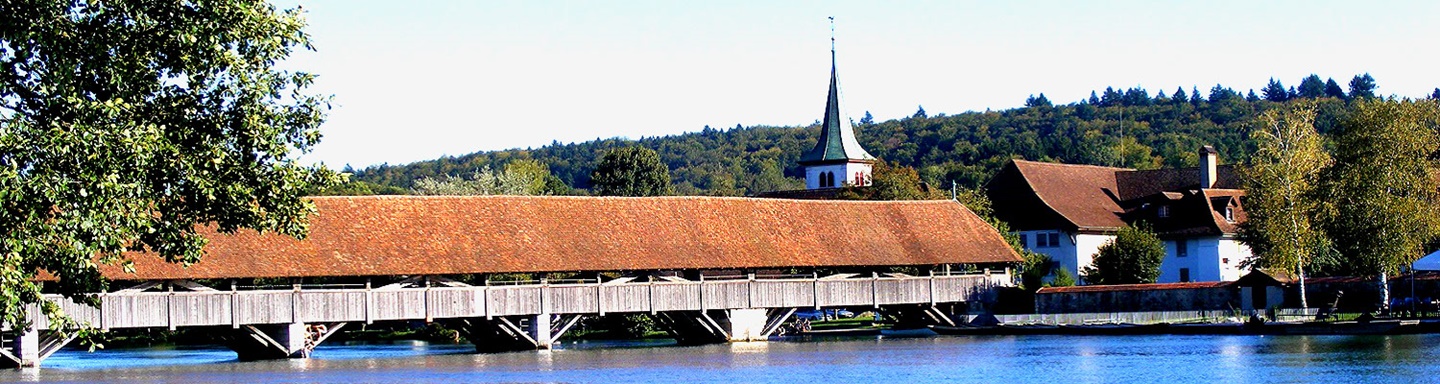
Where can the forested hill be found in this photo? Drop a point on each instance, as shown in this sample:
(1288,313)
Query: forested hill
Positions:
(1160,131)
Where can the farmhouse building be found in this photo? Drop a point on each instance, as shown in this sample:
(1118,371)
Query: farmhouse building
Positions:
(1068,211)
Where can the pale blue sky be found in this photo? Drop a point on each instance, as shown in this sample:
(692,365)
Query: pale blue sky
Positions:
(415,80)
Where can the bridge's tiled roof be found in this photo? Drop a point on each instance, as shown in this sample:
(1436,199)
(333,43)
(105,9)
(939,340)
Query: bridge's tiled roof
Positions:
(409,235)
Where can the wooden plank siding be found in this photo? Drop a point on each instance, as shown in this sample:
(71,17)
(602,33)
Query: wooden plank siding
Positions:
(237,308)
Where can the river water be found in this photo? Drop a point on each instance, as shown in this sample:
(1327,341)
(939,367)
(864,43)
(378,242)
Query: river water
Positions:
(1004,359)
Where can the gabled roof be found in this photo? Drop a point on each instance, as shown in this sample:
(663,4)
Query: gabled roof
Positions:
(837,137)
(442,235)
(1134,184)
(1081,195)
(1036,195)
(1192,212)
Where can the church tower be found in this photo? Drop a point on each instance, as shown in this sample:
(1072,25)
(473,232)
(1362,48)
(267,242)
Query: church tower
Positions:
(837,159)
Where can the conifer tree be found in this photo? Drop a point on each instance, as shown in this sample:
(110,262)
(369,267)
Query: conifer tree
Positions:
(1312,87)
(1333,90)
(1362,87)
(1274,91)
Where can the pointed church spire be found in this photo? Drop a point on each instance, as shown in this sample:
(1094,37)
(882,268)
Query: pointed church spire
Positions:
(837,136)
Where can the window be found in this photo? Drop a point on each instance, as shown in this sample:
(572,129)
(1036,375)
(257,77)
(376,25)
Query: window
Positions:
(1230,214)
(1163,211)
(1181,248)
(1024,242)
(827,179)
(859,178)
(1055,239)
(1184,275)
(1040,241)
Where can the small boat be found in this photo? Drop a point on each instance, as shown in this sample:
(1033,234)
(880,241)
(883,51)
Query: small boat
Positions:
(907,332)
(968,330)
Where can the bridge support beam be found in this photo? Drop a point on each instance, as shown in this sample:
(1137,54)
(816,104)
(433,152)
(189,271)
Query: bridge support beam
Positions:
(515,333)
(28,347)
(921,316)
(280,341)
(719,326)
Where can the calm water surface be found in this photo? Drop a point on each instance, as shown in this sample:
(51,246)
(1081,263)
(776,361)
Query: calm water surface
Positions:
(1022,359)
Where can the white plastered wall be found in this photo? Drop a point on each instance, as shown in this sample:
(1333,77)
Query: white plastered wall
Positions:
(844,174)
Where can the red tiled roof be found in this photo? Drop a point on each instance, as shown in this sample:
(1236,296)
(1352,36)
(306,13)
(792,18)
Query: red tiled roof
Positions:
(411,235)
(1028,194)
(1134,287)
(1135,184)
(1075,192)
(802,194)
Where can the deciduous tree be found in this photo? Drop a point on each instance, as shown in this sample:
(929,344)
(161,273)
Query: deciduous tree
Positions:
(1381,194)
(890,182)
(132,125)
(1132,257)
(520,177)
(1280,184)
(631,171)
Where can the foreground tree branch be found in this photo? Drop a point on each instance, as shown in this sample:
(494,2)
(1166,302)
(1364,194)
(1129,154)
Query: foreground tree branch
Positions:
(128,125)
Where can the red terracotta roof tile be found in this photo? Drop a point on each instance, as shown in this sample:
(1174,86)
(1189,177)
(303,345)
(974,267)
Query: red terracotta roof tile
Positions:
(411,235)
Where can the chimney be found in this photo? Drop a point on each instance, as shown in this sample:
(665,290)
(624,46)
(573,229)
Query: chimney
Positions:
(1209,158)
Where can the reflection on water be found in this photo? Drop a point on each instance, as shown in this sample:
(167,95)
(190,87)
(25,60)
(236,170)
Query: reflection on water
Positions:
(1076,359)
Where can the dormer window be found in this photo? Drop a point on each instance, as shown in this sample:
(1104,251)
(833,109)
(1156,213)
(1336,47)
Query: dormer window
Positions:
(1163,211)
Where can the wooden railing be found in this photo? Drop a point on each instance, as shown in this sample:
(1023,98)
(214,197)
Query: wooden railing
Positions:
(236,307)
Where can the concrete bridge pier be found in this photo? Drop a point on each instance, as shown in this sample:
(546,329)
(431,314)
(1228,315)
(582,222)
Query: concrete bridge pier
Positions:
(279,341)
(719,326)
(27,348)
(515,333)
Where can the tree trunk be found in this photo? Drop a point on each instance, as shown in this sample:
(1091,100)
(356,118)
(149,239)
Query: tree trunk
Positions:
(1303,303)
(1384,292)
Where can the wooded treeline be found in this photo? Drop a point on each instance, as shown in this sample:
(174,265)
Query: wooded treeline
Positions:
(1159,129)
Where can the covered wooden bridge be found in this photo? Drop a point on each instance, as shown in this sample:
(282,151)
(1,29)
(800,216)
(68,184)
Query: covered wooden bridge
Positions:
(709,269)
